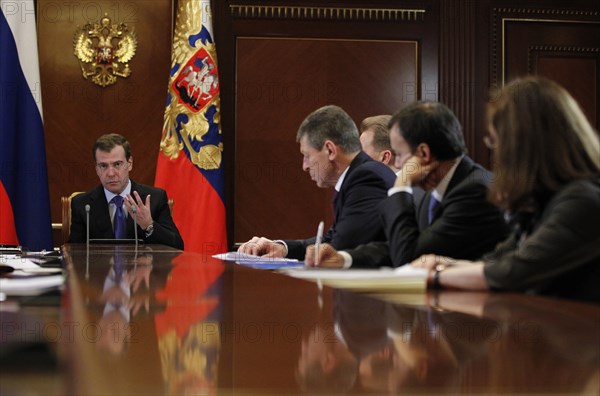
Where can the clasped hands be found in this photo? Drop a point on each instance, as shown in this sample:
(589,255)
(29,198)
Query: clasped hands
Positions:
(329,257)
(260,246)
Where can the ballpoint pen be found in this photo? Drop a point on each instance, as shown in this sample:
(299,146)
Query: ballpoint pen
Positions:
(318,242)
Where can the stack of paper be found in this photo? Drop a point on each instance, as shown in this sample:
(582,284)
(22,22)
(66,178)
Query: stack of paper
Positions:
(405,279)
(259,261)
(28,278)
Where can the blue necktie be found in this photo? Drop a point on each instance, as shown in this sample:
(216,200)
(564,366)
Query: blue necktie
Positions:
(119,221)
(119,265)
(433,204)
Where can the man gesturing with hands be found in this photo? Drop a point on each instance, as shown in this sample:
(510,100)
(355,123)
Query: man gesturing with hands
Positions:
(112,204)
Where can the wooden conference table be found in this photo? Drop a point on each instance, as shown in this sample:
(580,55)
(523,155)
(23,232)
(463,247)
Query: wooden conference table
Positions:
(159,321)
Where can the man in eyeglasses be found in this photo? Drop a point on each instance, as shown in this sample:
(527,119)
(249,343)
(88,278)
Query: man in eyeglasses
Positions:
(112,204)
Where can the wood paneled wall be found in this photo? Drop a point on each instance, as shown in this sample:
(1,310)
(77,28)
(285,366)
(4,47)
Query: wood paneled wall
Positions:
(274,94)
(464,47)
(563,45)
(485,43)
(286,61)
(280,60)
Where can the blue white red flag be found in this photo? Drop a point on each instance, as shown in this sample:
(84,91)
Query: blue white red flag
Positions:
(24,203)
(190,166)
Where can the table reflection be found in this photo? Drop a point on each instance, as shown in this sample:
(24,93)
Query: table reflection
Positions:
(467,342)
(188,330)
(147,313)
(158,321)
(537,345)
(125,291)
(336,351)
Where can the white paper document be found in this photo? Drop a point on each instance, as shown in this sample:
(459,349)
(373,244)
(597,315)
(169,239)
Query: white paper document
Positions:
(18,263)
(30,286)
(250,258)
(385,280)
(28,278)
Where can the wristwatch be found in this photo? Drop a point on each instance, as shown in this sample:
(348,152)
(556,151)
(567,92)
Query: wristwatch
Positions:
(435,280)
(149,230)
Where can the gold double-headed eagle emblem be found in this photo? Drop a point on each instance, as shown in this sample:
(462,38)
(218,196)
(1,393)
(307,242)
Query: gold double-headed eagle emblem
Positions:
(104,50)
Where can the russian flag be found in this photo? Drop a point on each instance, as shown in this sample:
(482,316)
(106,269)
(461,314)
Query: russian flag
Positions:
(190,166)
(24,204)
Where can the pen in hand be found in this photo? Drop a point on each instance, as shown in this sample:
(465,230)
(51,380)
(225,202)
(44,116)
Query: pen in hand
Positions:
(318,242)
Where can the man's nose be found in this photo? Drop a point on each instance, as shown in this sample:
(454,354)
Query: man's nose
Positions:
(305,166)
(398,162)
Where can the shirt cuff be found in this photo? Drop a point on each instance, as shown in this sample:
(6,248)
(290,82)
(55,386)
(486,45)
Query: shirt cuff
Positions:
(285,248)
(395,190)
(347,259)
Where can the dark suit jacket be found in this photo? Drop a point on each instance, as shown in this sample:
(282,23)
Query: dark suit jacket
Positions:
(427,329)
(364,187)
(165,232)
(559,253)
(465,225)
(362,322)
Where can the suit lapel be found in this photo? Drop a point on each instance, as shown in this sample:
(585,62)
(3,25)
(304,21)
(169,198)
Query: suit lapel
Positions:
(462,170)
(100,214)
(143,193)
(130,222)
(335,205)
(338,201)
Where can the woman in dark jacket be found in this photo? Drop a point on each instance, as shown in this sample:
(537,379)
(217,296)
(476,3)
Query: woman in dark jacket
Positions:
(547,178)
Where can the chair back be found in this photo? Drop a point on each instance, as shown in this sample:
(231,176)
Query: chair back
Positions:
(65,203)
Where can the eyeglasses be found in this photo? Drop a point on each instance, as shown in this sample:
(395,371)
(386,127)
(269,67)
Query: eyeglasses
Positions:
(117,165)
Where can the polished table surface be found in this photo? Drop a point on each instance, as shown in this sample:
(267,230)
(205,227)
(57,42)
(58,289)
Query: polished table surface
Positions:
(158,321)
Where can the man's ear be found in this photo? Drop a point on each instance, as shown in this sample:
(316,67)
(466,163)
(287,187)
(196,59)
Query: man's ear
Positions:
(331,149)
(386,157)
(424,152)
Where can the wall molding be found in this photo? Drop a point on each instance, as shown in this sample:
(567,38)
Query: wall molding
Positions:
(500,15)
(545,12)
(560,49)
(457,64)
(326,13)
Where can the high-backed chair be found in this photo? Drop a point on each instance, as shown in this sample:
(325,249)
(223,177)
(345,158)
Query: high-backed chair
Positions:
(65,203)
(66,214)
(170,203)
